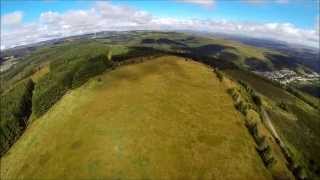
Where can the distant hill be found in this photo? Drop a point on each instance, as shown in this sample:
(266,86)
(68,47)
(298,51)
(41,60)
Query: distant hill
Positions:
(308,56)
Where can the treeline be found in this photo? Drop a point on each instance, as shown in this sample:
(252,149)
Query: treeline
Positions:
(263,147)
(14,113)
(191,53)
(135,52)
(249,107)
(219,74)
(71,73)
(208,60)
(63,76)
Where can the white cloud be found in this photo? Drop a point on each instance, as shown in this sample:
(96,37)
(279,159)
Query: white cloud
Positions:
(204,3)
(11,19)
(105,16)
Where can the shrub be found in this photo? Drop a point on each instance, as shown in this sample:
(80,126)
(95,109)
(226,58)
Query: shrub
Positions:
(253,129)
(283,106)
(256,99)
(270,162)
(267,156)
(243,84)
(246,87)
(233,93)
(261,141)
(219,75)
(252,116)
(242,107)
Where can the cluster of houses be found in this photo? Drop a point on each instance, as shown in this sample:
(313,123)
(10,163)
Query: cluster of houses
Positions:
(286,76)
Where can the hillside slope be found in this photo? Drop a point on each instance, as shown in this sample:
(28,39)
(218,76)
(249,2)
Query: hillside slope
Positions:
(165,118)
(296,121)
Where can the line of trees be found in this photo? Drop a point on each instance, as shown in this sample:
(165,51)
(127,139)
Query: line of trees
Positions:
(263,147)
(63,76)
(253,121)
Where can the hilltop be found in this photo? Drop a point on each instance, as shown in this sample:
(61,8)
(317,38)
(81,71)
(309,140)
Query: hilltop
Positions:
(132,97)
(166,117)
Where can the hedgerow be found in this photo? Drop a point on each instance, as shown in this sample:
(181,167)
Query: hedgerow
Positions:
(252,119)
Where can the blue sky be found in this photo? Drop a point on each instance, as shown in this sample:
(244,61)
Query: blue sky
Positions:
(33,9)
(302,13)
(24,22)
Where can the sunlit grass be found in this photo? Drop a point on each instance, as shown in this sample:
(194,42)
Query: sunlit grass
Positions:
(162,119)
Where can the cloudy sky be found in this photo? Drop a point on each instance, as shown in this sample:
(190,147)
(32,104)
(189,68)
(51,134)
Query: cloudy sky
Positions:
(293,21)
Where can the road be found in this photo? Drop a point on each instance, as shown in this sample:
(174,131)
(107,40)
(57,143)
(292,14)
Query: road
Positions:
(267,121)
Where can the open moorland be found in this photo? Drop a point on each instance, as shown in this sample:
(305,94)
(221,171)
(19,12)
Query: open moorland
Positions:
(167,118)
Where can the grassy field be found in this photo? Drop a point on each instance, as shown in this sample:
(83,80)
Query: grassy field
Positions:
(161,119)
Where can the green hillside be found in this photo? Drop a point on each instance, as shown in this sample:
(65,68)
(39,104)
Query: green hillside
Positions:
(162,119)
(296,121)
